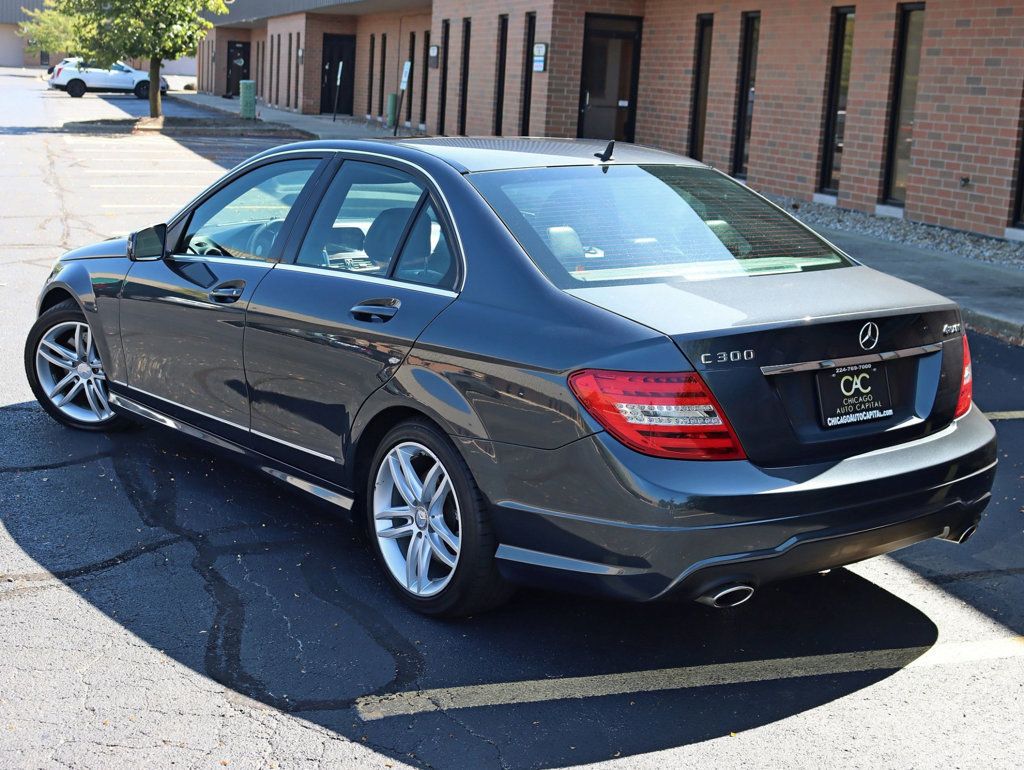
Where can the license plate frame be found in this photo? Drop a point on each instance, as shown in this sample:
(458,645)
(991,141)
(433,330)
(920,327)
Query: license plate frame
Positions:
(853,395)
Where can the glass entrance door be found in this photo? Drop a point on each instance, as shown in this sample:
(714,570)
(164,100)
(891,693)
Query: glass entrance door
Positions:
(608,81)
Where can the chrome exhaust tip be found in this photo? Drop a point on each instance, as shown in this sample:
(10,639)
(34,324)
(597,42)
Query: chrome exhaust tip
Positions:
(960,537)
(724,597)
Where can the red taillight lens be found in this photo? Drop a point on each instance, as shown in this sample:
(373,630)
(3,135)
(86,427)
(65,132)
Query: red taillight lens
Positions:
(56,72)
(963,404)
(664,414)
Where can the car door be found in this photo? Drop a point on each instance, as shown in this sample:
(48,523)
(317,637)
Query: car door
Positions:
(332,325)
(120,77)
(183,317)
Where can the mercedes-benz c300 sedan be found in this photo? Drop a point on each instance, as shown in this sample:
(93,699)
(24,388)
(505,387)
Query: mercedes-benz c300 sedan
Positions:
(601,369)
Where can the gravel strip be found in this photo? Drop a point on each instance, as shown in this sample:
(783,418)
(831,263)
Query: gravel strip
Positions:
(956,242)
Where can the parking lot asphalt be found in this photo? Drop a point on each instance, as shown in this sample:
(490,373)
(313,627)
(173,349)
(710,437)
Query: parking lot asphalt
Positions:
(161,605)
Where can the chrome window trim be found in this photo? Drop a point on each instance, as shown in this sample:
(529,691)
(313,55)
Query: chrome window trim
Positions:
(269,263)
(868,358)
(294,446)
(375,279)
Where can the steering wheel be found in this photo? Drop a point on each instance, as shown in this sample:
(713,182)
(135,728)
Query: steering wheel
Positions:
(262,239)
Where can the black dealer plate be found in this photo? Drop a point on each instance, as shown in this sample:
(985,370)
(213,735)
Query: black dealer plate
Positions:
(849,395)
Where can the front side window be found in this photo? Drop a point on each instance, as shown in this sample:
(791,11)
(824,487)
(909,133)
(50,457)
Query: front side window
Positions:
(636,224)
(244,218)
(361,219)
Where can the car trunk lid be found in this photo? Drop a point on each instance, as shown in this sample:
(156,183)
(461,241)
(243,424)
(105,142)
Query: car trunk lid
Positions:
(783,354)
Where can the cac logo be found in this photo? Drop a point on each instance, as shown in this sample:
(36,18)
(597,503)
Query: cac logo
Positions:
(851,383)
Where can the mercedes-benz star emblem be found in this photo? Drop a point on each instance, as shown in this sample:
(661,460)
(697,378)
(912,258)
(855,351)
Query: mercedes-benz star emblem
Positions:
(868,335)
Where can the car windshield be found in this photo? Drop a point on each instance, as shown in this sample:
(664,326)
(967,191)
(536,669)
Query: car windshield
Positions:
(635,224)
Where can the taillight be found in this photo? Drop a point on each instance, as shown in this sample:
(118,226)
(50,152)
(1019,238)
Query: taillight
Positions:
(56,72)
(963,403)
(664,414)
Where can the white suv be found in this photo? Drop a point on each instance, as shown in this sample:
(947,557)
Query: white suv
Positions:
(76,77)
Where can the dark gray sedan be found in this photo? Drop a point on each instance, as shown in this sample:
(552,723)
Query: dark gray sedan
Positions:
(600,369)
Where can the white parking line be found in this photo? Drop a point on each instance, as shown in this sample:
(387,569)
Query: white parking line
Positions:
(1013,415)
(372,708)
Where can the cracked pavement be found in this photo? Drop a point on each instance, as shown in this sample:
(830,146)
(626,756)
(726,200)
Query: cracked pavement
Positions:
(162,605)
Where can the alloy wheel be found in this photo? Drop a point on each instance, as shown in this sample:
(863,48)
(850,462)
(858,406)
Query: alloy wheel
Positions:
(71,373)
(416,518)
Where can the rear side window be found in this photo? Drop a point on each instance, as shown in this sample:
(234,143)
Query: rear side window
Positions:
(362,218)
(633,224)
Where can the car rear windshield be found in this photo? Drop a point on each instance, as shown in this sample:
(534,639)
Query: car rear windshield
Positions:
(636,224)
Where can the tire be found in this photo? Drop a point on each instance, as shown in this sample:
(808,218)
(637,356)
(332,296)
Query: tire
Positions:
(142,89)
(85,403)
(75,89)
(473,584)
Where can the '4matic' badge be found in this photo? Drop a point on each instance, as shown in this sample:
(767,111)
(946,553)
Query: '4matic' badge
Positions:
(951,328)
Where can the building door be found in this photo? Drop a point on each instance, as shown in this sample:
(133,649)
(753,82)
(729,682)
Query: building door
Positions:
(338,49)
(610,75)
(238,65)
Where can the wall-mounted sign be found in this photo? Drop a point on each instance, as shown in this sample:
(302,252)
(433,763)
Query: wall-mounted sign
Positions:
(540,57)
(405,75)
(432,57)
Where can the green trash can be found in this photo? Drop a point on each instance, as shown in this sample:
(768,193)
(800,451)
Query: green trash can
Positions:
(392,109)
(247,99)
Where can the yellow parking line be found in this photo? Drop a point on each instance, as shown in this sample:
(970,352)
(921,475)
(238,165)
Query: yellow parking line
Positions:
(1014,415)
(371,708)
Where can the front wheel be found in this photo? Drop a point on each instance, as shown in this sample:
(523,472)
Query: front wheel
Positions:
(142,90)
(429,525)
(65,371)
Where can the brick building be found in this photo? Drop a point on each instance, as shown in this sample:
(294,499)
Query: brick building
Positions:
(902,109)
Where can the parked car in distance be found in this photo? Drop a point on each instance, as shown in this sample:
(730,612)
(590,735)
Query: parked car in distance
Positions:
(610,370)
(76,77)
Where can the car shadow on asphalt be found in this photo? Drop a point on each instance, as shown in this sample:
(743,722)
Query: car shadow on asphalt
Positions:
(274,595)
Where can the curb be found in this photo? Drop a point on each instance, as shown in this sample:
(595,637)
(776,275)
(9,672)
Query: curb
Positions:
(996,326)
(279,129)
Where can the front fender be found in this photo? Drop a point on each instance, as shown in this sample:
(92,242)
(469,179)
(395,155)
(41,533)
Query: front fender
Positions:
(95,284)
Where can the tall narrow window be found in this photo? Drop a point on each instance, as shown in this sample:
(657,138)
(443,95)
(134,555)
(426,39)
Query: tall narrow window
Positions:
(277,75)
(425,77)
(369,77)
(464,75)
(531,36)
(1018,214)
(412,79)
(298,47)
(901,117)
(383,72)
(701,70)
(288,74)
(745,101)
(838,88)
(442,96)
(499,78)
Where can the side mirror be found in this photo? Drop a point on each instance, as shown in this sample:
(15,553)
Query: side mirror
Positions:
(147,245)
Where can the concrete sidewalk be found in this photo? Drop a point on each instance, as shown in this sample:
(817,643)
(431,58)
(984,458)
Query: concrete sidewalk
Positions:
(992,296)
(317,126)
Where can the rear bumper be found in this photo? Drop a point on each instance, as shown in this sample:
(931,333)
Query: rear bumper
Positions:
(598,518)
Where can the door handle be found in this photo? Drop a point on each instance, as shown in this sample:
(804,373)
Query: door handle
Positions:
(226,293)
(376,310)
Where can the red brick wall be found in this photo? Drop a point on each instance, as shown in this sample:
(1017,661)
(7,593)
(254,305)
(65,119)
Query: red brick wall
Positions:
(968,115)
(316,26)
(397,27)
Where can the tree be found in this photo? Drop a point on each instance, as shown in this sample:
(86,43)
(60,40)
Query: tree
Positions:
(53,30)
(157,30)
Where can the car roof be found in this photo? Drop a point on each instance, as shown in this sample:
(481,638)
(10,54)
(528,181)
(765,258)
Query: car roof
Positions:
(469,154)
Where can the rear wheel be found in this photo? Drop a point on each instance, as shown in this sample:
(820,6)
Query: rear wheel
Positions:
(65,371)
(429,525)
(142,90)
(76,89)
